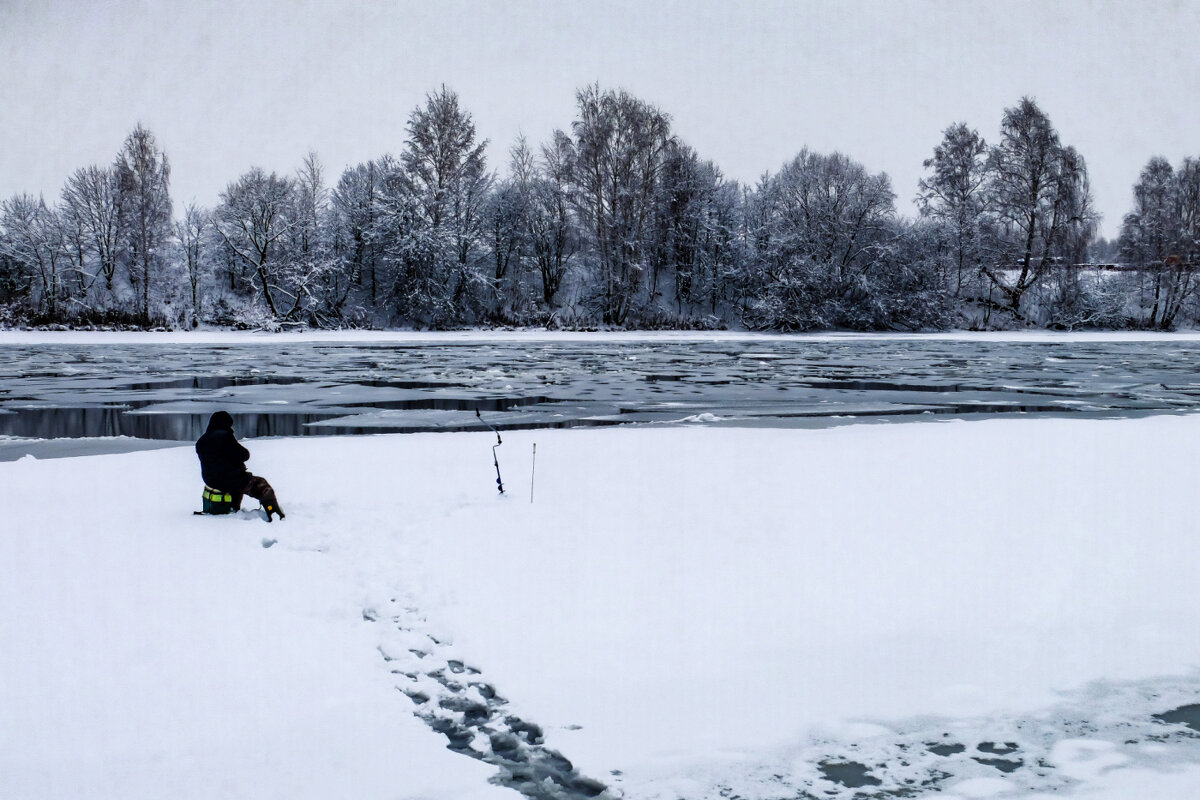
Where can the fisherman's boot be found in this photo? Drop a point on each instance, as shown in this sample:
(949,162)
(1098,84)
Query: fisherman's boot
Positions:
(273,507)
(259,489)
(270,504)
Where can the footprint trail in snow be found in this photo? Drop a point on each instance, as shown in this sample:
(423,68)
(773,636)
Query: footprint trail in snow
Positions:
(455,700)
(1150,724)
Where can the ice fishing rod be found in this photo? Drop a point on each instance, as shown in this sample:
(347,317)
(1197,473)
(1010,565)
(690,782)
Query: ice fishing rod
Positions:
(495,460)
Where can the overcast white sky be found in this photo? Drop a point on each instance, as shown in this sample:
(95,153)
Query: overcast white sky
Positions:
(227,86)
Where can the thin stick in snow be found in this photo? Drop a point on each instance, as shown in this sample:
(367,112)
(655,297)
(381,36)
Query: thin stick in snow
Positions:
(532,471)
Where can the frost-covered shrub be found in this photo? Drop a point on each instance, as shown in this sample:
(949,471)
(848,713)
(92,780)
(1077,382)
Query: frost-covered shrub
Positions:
(795,300)
(13,314)
(240,313)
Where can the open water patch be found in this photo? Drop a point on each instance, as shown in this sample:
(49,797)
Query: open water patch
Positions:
(121,421)
(1005,765)
(1188,715)
(303,389)
(850,774)
(147,419)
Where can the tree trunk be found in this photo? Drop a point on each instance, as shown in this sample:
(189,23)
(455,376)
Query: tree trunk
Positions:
(262,277)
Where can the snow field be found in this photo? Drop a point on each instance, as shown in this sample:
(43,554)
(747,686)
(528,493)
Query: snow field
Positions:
(681,610)
(147,653)
(709,596)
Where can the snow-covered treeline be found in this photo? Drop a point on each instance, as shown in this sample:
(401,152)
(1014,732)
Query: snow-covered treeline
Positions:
(614,221)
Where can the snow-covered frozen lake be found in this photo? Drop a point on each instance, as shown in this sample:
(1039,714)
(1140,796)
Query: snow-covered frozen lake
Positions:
(742,603)
(163,389)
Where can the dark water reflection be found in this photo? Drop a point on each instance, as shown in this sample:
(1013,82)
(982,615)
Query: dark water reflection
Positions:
(67,422)
(167,392)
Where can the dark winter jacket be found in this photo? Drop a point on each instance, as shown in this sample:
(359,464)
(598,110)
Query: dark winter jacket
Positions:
(222,459)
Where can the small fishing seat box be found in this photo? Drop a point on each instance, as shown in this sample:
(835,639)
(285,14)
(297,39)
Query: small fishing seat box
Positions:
(216,502)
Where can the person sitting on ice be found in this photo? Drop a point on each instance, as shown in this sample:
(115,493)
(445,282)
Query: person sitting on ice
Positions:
(223,467)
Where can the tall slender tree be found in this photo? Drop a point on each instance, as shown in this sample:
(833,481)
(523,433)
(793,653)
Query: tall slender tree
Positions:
(448,171)
(1038,190)
(954,196)
(1158,236)
(550,228)
(191,232)
(143,178)
(356,212)
(619,145)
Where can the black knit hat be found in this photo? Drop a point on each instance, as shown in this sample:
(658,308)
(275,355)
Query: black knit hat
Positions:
(221,419)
